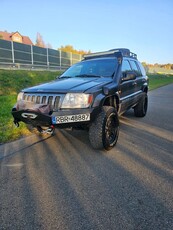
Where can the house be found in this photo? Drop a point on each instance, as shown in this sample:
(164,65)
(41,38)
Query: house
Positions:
(15,37)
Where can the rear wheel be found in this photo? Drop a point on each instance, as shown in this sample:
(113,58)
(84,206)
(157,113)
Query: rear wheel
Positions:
(104,131)
(140,109)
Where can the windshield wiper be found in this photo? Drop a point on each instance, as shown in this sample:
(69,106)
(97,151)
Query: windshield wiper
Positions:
(87,75)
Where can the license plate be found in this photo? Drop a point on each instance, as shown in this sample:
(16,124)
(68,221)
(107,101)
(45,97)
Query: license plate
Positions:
(70,118)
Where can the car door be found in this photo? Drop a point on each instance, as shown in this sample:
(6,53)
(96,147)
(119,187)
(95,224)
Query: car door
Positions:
(127,87)
(138,81)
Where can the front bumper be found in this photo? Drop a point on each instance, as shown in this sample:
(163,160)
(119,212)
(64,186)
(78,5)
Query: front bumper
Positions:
(40,119)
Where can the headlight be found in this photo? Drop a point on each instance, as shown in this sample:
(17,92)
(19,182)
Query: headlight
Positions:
(76,100)
(20,96)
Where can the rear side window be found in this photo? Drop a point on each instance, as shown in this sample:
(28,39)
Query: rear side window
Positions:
(135,68)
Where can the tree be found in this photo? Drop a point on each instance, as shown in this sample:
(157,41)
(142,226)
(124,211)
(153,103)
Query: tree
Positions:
(39,41)
(69,48)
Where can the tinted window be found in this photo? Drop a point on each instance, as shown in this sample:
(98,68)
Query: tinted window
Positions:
(135,68)
(99,67)
(126,66)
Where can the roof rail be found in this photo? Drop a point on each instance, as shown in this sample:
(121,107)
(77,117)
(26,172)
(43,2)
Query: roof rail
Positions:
(113,52)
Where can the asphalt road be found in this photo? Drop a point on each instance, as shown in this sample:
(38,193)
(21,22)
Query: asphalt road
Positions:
(62,183)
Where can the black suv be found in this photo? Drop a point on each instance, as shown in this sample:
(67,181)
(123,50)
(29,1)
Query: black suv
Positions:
(89,95)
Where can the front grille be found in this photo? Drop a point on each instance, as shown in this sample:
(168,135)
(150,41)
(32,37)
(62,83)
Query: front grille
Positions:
(52,100)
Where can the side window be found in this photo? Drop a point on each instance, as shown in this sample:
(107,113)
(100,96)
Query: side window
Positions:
(126,66)
(136,68)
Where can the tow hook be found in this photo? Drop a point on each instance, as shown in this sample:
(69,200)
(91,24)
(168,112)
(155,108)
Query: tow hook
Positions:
(49,130)
(16,123)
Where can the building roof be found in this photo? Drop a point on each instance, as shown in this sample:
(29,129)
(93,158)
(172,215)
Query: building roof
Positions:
(8,36)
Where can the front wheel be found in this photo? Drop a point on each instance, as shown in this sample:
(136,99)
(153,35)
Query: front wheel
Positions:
(104,131)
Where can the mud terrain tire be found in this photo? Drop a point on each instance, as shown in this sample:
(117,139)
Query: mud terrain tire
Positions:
(140,109)
(104,131)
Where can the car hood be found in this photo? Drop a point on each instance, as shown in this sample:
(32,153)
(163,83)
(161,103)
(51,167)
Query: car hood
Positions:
(65,85)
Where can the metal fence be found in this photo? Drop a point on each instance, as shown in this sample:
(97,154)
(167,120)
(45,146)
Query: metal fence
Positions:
(21,56)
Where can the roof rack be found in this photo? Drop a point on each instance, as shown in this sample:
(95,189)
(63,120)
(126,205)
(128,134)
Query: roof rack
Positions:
(113,52)
(125,52)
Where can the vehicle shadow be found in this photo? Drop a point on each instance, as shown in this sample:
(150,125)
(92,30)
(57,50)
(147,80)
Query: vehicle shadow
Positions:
(64,182)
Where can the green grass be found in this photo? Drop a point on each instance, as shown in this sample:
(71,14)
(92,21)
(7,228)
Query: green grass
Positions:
(158,80)
(11,82)
(7,129)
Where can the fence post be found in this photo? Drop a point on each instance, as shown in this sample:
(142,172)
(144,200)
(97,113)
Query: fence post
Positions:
(47,58)
(32,58)
(12,51)
(60,59)
(71,58)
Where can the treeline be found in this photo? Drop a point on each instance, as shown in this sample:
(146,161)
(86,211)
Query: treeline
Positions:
(156,65)
(70,48)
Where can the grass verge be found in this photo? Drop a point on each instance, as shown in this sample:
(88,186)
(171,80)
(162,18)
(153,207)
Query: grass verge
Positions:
(8,131)
(158,80)
(11,82)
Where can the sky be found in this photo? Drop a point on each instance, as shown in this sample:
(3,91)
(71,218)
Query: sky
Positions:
(143,26)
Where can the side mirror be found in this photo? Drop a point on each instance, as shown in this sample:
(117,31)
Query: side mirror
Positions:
(128,75)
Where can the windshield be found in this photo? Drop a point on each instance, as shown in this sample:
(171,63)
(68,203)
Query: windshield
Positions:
(92,68)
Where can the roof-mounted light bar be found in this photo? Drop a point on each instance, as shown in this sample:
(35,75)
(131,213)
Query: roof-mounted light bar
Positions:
(124,52)
(100,53)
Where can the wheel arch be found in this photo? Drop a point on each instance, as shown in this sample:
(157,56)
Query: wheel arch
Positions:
(145,89)
(112,100)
